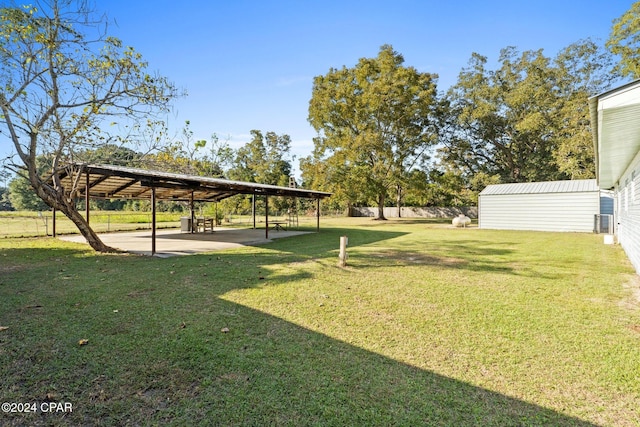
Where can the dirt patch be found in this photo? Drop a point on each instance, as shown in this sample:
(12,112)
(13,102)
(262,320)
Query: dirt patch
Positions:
(632,301)
(416,258)
(6,269)
(140,293)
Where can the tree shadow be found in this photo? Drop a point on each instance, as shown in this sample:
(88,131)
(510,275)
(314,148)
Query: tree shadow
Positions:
(14,260)
(470,255)
(267,371)
(263,371)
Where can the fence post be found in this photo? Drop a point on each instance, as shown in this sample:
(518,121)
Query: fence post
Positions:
(344,240)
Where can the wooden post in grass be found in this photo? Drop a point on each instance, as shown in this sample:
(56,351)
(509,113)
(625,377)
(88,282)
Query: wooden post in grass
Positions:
(344,240)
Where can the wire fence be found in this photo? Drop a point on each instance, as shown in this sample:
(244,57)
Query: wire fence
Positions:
(39,224)
(29,224)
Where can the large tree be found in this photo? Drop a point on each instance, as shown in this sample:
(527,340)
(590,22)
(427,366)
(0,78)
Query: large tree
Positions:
(527,120)
(624,41)
(64,84)
(374,123)
(266,159)
(583,69)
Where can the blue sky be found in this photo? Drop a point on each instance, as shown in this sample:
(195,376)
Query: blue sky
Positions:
(250,64)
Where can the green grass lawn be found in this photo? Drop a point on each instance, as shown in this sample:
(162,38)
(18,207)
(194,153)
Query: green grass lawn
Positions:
(427,325)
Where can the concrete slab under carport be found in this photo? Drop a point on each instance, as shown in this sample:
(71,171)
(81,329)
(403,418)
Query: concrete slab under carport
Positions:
(173,242)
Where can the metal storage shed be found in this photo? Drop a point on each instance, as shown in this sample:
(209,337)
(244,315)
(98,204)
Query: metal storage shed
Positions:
(540,206)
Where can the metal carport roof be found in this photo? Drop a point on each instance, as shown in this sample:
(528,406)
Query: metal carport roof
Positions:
(111,182)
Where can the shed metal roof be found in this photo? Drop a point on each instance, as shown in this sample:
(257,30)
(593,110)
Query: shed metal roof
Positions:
(572,186)
(110,182)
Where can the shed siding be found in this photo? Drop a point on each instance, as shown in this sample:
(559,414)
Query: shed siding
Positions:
(540,211)
(628,212)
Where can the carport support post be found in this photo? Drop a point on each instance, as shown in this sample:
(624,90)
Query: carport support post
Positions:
(86,198)
(253,209)
(318,214)
(266,217)
(193,214)
(153,221)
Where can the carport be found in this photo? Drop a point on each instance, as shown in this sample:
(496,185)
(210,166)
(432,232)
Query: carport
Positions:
(120,182)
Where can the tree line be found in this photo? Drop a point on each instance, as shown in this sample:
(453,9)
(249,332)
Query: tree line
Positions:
(264,159)
(386,134)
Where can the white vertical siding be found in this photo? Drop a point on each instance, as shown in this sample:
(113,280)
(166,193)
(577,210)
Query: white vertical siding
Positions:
(540,206)
(541,212)
(628,212)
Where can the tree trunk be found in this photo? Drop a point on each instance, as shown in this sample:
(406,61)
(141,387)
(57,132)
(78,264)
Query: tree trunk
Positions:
(89,234)
(381,200)
(57,200)
(399,201)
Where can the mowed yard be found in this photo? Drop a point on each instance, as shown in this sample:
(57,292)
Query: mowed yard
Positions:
(427,325)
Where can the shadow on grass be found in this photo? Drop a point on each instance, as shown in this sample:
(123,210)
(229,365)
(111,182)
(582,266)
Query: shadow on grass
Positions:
(407,221)
(263,371)
(165,349)
(18,260)
(459,255)
(471,255)
(326,244)
(266,371)
(19,256)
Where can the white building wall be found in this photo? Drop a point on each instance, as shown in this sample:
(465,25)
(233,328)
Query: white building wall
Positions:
(572,212)
(628,212)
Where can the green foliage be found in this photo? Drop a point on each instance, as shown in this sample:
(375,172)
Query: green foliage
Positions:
(528,120)
(264,160)
(375,124)
(68,88)
(22,196)
(583,69)
(205,158)
(624,41)
(5,203)
(56,77)
(112,154)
